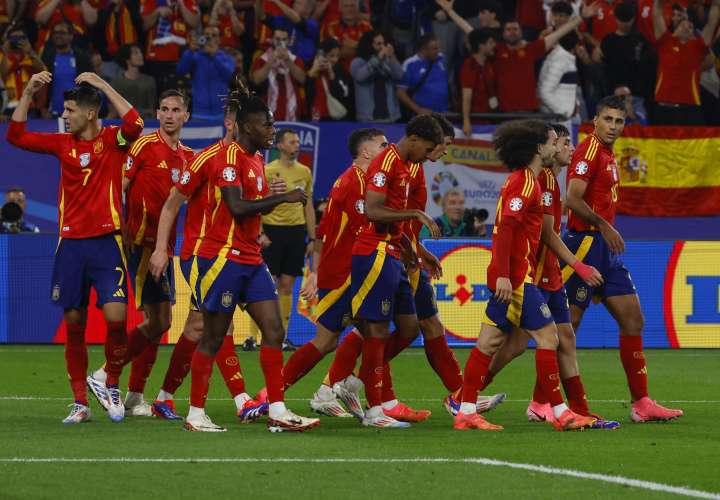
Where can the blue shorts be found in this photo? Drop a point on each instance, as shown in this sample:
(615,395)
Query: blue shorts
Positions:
(89,262)
(223,284)
(191,277)
(425,303)
(147,290)
(590,247)
(557,301)
(526,310)
(333,308)
(380,286)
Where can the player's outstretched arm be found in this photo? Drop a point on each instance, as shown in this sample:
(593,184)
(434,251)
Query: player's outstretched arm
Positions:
(239,208)
(119,103)
(587,273)
(587,11)
(376,211)
(576,203)
(168,215)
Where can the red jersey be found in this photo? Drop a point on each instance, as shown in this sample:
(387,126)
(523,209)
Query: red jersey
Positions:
(89,198)
(548,275)
(594,163)
(341,31)
(193,184)
(602,23)
(225,236)
(66,11)
(481,80)
(344,217)
(387,174)
(519,199)
(530,14)
(515,70)
(152,167)
(679,67)
(166,46)
(417,199)
(285,104)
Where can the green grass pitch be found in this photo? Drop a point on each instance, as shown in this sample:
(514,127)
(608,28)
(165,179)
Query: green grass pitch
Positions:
(341,459)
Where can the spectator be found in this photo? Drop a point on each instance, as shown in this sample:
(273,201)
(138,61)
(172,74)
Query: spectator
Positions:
(558,79)
(424,84)
(166,24)
(328,81)
(348,29)
(11,13)
(280,74)
(304,31)
(477,77)
(224,17)
(596,28)
(328,11)
(636,113)
(65,61)
(680,58)
(455,221)
(531,16)
(138,88)
(119,23)
(81,14)
(560,13)
(210,68)
(375,71)
(12,212)
(17,64)
(405,21)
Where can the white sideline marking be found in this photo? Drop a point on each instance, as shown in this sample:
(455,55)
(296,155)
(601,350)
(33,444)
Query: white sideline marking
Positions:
(624,481)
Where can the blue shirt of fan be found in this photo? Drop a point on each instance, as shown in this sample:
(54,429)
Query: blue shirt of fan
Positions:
(64,73)
(434,92)
(303,36)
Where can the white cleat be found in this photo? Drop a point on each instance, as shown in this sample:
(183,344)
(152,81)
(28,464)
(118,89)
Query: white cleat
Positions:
(116,409)
(78,414)
(382,421)
(98,390)
(201,423)
(135,406)
(486,403)
(348,391)
(289,422)
(325,403)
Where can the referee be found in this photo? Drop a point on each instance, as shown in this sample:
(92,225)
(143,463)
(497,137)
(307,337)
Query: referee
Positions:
(289,230)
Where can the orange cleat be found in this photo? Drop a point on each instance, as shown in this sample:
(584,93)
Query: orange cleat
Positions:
(404,413)
(539,412)
(647,410)
(571,421)
(464,422)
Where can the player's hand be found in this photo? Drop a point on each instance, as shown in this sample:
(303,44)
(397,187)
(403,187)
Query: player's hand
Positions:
(164,11)
(445,5)
(503,290)
(264,241)
(429,223)
(613,238)
(277,185)
(588,274)
(38,81)
(433,265)
(91,79)
(588,11)
(296,196)
(309,289)
(158,264)
(409,258)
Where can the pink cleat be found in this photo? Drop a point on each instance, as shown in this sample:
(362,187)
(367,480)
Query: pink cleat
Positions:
(539,412)
(404,413)
(647,410)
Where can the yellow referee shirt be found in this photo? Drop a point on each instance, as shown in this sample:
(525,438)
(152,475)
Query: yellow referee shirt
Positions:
(296,176)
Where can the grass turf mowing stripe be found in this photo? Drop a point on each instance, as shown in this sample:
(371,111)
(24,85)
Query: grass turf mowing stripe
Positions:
(624,481)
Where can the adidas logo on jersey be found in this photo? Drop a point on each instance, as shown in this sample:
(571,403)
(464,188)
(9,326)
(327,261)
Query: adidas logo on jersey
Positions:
(119,293)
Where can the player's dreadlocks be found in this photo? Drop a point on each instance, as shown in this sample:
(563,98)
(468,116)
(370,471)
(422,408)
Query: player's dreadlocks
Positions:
(517,142)
(244,102)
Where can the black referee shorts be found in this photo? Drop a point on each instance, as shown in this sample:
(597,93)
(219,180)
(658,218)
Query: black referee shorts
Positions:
(286,253)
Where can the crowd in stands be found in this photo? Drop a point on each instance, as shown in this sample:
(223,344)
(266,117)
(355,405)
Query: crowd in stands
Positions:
(377,60)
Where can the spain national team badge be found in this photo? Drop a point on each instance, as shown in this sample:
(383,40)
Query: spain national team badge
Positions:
(85,159)
(226,299)
(581,294)
(56,292)
(98,147)
(385,307)
(545,310)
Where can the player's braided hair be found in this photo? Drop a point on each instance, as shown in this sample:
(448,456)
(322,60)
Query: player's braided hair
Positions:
(517,142)
(243,101)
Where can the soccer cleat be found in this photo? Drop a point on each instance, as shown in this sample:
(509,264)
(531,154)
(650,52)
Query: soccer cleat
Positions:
(375,417)
(201,423)
(249,345)
(165,410)
(348,391)
(404,413)
(98,390)
(78,414)
(252,410)
(539,412)
(601,423)
(116,409)
(328,406)
(288,346)
(487,403)
(571,421)
(289,422)
(464,422)
(262,396)
(135,406)
(647,410)
(451,404)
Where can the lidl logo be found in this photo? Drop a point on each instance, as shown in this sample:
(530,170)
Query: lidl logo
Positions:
(462,293)
(692,294)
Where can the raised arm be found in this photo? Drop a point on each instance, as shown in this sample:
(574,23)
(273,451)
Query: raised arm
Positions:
(288,11)
(17,135)
(118,101)
(192,19)
(709,30)
(89,13)
(44,13)
(447,6)
(659,26)
(586,11)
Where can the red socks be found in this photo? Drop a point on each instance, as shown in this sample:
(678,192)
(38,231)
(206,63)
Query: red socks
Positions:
(271,361)
(76,361)
(444,363)
(395,345)
(115,350)
(179,364)
(548,375)
(141,368)
(475,379)
(538,394)
(388,394)
(346,356)
(372,367)
(302,361)
(633,360)
(575,392)
(229,365)
(201,368)
(136,343)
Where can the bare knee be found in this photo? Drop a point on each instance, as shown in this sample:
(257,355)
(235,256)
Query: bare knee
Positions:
(633,324)
(325,341)
(193,330)
(432,328)
(546,337)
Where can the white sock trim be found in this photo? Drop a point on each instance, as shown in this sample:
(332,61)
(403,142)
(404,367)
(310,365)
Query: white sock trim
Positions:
(389,405)
(165,396)
(559,409)
(241,399)
(468,408)
(194,411)
(277,409)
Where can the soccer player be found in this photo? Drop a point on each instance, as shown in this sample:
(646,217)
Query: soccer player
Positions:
(192,187)
(90,251)
(592,196)
(524,147)
(549,280)
(154,163)
(380,287)
(231,269)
